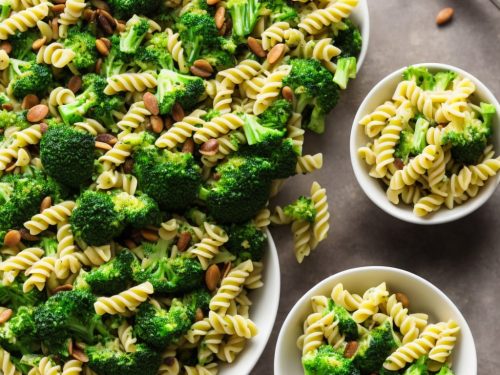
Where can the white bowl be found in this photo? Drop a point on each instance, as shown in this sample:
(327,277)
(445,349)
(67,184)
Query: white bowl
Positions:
(263,312)
(424,297)
(374,188)
(361,18)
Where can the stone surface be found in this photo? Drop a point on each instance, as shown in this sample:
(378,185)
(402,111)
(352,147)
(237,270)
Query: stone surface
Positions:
(461,258)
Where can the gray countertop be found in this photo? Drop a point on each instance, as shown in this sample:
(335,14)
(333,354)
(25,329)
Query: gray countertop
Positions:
(461,258)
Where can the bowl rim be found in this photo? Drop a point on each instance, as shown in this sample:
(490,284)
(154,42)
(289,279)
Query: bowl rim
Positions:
(272,281)
(398,211)
(362,14)
(464,327)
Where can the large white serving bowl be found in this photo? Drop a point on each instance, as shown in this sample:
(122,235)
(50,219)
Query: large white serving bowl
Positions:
(263,312)
(360,16)
(424,297)
(375,190)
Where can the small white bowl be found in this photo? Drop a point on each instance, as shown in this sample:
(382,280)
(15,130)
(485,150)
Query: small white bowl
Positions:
(424,297)
(263,312)
(361,18)
(375,190)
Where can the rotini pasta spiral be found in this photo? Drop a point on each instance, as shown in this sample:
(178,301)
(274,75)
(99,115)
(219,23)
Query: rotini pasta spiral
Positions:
(174,46)
(279,218)
(92,255)
(445,343)
(90,126)
(117,180)
(428,204)
(233,325)
(126,336)
(374,122)
(229,350)
(55,54)
(301,230)
(271,89)
(218,126)
(209,246)
(309,163)
(409,90)
(134,117)
(345,299)
(322,50)
(46,366)
(65,249)
(18,5)
(125,301)
(181,130)
(406,323)
(372,298)
(314,332)
(50,216)
(210,369)
(116,156)
(131,82)
(28,136)
(261,220)
(6,365)
(314,22)
(23,20)
(72,12)
(39,273)
(21,261)
(416,168)
(72,367)
(59,96)
(321,221)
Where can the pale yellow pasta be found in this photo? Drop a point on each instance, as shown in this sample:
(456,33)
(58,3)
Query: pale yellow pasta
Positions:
(321,221)
(428,204)
(18,5)
(367,154)
(169,229)
(20,262)
(210,369)
(45,30)
(132,82)
(4,60)
(316,21)
(271,89)
(309,163)
(50,216)
(456,107)
(218,126)
(230,348)
(127,300)
(72,367)
(408,324)
(302,234)
(90,126)
(127,338)
(59,96)
(39,273)
(419,99)
(230,287)
(245,70)
(210,244)
(281,32)
(322,50)
(375,121)
(482,172)
(416,168)
(116,156)
(174,46)
(333,335)
(314,331)
(254,279)
(134,117)
(72,12)
(233,325)
(372,298)
(181,130)
(65,249)
(445,343)
(6,364)
(261,219)
(22,21)
(46,366)
(198,330)
(117,180)
(55,54)
(170,365)
(28,136)
(279,218)
(92,256)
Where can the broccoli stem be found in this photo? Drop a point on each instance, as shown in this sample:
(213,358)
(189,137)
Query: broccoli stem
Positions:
(244,15)
(203,193)
(419,136)
(346,69)
(5,12)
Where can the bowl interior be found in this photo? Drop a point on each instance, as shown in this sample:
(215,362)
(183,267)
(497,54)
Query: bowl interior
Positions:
(424,297)
(360,17)
(375,189)
(262,312)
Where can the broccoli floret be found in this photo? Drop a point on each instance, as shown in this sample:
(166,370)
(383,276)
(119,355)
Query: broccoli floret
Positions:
(412,142)
(94,219)
(93,98)
(281,11)
(219,59)
(244,14)
(445,370)
(11,118)
(67,155)
(418,368)
(302,209)
(283,159)
(257,133)
(159,328)
(374,347)
(125,9)
(347,326)
(18,333)
(116,62)
(170,178)
(134,34)
(315,92)
(443,79)
(12,295)
(327,361)
(426,80)
(276,116)
(346,69)
(179,88)
(20,197)
(68,314)
(137,211)
(108,359)
(5,9)
(29,78)
(197,31)
(468,141)
(22,45)
(82,43)
(348,39)
(241,191)
(246,241)
(151,58)
(113,276)
(180,274)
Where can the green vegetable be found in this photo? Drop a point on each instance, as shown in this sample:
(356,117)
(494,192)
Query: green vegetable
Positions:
(302,209)
(327,361)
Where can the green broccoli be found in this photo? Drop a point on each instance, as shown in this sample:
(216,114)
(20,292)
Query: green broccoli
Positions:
(92,102)
(179,88)
(240,192)
(137,211)
(346,69)
(107,358)
(244,14)
(158,327)
(315,92)
(111,277)
(134,34)
(276,116)
(220,59)
(327,361)
(257,133)
(246,241)
(116,62)
(20,198)
(426,80)
(469,140)
(22,45)
(445,370)
(152,58)
(94,219)
(281,11)
(180,274)
(347,326)
(170,178)
(348,39)
(82,43)
(11,118)
(125,9)
(29,78)
(302,209)
(6,7)
(412,141)
(12,295)
(418,368)
(17,335)
(374,347)
(67,155)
